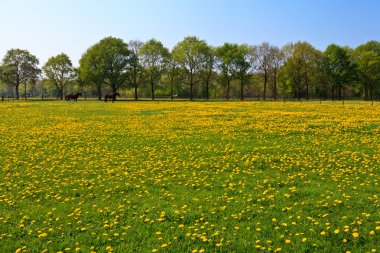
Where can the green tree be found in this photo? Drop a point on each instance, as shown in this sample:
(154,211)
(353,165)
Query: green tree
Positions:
(90,71)
(263,63)
(135,76)
(227,55)
(207,72)
(107,62)
(190,54)
(340,69)
(277,59)
(154,59)
(367,58)
(60,71)
(19,67)
(242,64)
(173,76)
(300,68)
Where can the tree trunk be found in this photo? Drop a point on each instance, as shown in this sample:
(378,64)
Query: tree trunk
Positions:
(207,84)
(241,90)
(307,87)
(99,88)
(191,86)
(152,89)
(25,90)
(299,92)
(136,98)
(172,92)
(17,94)
(275,85)
(228,89)
(265,84)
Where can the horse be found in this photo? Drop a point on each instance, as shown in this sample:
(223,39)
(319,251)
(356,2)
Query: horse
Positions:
(111,96)
(73,96)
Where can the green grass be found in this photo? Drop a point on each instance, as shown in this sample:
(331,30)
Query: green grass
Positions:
(187,176)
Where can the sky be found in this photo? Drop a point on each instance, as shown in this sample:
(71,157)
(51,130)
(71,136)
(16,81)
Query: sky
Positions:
(49,27)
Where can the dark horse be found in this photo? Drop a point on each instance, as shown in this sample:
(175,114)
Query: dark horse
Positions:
(73,96)
(111,96)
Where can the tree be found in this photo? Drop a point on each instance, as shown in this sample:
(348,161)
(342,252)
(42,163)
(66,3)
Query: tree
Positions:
(367,58)
(227,55)
(173,75)
(19,67)
(277,59)
(190,54)
(136,70)
(300,68)
(206,73)
(107,62)
(59,70)
(339,67)
(242,64)
(154,59)
(263,62)
(90,70)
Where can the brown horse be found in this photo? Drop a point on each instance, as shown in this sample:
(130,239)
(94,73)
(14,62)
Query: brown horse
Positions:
(73,97)
(111,96)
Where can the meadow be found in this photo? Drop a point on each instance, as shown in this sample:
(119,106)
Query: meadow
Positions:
(189,177)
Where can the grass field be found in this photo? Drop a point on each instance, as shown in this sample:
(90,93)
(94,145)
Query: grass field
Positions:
(189,177)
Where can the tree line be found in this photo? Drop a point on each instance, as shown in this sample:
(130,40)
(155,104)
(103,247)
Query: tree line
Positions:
(194,69)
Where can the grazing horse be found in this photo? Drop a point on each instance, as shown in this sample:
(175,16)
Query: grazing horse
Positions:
(73,97)
(111,96)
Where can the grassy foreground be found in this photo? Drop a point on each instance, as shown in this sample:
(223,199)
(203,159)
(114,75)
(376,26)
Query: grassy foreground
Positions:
(189,177)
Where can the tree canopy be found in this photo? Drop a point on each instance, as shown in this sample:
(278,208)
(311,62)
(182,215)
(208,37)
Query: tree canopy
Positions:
(19,66)
(194,68)
(60,71)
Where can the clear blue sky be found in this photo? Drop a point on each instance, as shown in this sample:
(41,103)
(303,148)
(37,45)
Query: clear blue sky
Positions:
(49,27)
